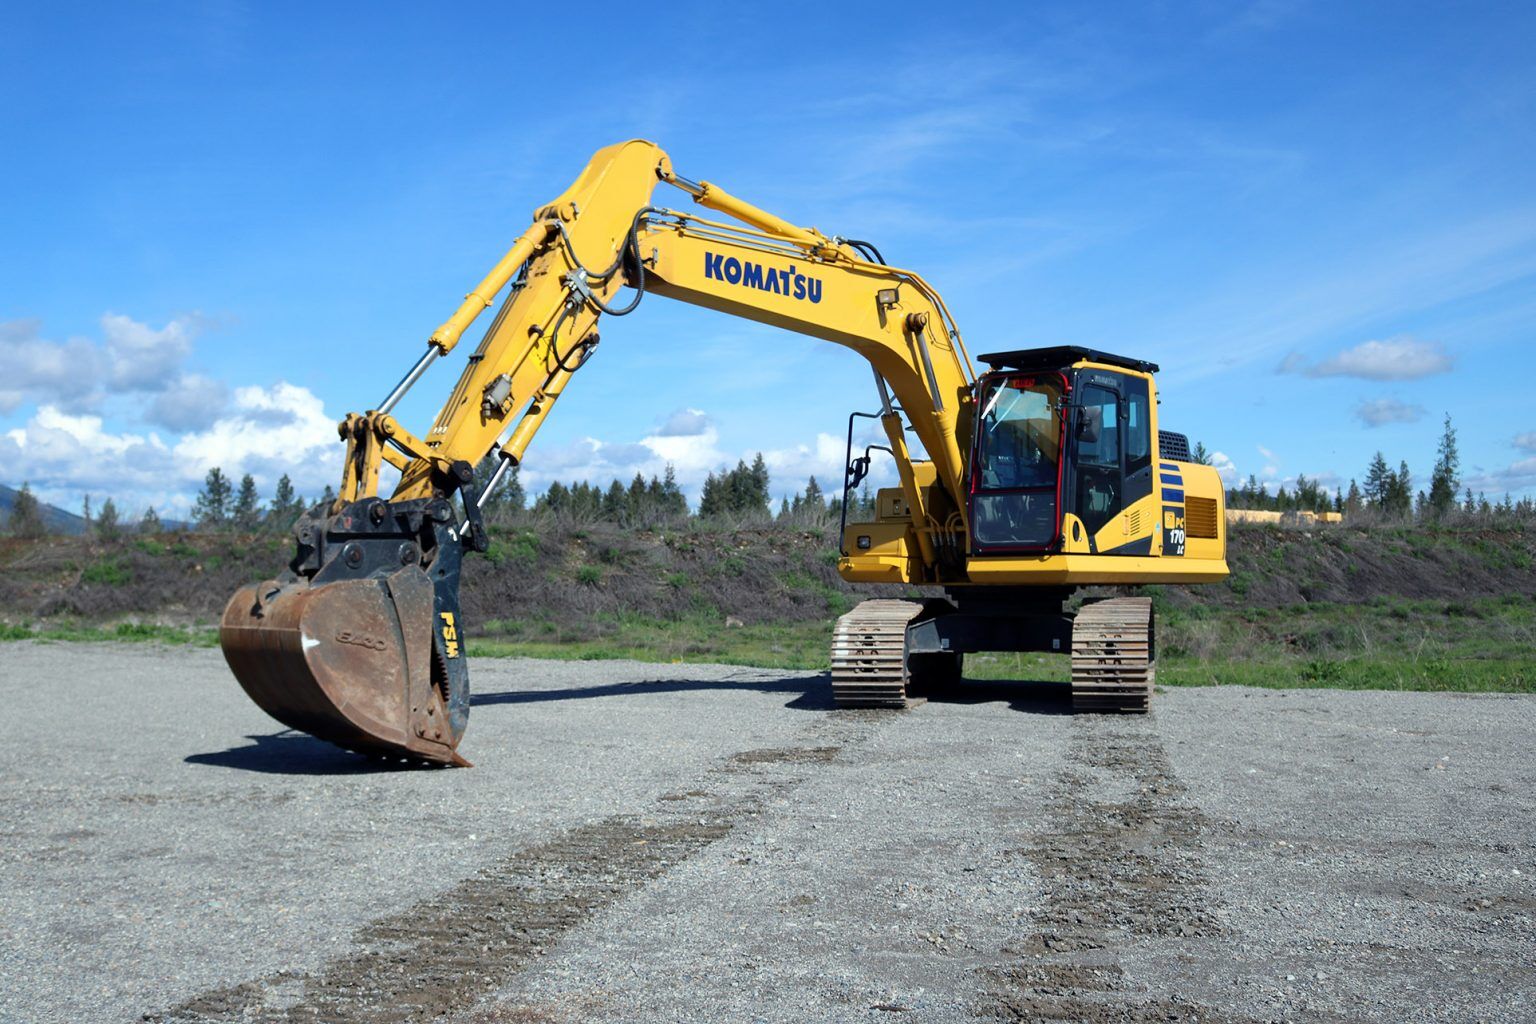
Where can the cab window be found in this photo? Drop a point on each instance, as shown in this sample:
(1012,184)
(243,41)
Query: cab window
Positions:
(1016,463)
(1097,494)
(1138,425)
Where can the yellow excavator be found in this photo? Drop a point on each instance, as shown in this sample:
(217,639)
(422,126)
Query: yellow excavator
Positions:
(1046,472)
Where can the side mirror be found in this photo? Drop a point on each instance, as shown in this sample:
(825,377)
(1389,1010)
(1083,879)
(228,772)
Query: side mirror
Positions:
(857,470)
(1090,421)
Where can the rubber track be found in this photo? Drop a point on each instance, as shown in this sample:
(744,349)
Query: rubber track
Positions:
(1113,656)
(869,655)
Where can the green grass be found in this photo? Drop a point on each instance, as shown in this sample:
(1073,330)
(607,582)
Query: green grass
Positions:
(109,571)
(1388,644)
(801,645)
(123,632)
(1501,675)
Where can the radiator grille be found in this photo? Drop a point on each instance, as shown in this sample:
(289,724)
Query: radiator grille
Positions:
(1200,517)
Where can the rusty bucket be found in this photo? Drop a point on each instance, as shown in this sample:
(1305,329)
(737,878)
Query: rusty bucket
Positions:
(371,663)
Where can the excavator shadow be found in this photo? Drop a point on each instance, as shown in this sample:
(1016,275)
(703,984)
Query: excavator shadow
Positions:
(813,693)
(1034,697)
(290,752)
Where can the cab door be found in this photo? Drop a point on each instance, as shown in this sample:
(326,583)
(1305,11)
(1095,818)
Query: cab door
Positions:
(1112,460)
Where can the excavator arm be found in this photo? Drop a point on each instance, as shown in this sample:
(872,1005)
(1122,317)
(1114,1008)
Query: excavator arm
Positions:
(360,642)
(571,268)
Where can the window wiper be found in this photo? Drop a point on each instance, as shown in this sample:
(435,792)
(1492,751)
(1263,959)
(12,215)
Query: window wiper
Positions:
(992,402)
(1004,414)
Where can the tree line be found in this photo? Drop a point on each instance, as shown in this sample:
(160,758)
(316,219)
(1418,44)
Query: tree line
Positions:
(220,507)
(739,494)
(742,494)
(1387,492)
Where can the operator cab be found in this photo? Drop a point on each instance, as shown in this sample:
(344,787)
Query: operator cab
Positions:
(1053,439)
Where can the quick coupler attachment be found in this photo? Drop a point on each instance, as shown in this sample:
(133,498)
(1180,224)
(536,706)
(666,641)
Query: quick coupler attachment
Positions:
(359,642)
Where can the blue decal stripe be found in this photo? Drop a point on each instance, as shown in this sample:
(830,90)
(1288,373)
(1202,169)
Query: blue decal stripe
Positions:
(1169,494)
(1170,465)
(1168,478)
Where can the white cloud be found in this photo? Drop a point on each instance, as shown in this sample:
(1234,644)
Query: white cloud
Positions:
(67,374)
(1225,467)
(693,457)
(1294,362)
(1515,477)
(1382,411)
(266,429)
(790,468)
(51,427)
(684,423)
(1399,358)
(76,374)
(145,359)
(190,402)
(66,455)
(1525,442)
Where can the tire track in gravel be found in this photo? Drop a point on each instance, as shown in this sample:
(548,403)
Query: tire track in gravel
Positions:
(1120,862)
(447,952)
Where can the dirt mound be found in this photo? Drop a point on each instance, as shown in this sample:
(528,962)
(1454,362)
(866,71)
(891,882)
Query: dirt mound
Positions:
(567,575)
(1277,567)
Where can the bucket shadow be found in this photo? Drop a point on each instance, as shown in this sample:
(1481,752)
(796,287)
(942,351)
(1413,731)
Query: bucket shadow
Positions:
(294,753)
(812,693)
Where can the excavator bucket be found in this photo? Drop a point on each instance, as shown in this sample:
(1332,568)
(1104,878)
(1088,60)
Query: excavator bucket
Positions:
(358,644)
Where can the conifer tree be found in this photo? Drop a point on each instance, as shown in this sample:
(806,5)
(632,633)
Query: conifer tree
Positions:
(1376,477)
(673,501)
(107,527)
(26,520)
(615,503)
(815,501)
(246,511)
(211,510)
(285,507)
(1444,481)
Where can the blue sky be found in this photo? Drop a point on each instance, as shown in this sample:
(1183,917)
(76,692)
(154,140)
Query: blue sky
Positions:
(226,225)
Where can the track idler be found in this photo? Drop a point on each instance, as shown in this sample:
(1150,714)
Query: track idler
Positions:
(359,643)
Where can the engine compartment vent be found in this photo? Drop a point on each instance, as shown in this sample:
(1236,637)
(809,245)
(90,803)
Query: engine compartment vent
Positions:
(1200,518)
(1173,446)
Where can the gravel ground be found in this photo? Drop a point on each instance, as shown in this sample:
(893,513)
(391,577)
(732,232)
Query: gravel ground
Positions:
(705,843)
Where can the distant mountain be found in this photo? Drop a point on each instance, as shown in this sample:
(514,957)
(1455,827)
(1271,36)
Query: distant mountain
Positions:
(59,521)
(56,519)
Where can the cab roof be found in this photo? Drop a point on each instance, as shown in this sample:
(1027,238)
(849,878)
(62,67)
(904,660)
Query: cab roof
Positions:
(1059,356)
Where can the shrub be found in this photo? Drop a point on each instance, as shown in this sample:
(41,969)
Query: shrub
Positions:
(108,571)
